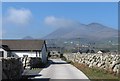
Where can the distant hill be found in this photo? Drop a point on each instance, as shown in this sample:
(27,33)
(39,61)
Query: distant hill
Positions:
(27,37)
(93,31)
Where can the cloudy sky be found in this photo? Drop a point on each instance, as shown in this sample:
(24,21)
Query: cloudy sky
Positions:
(37,19)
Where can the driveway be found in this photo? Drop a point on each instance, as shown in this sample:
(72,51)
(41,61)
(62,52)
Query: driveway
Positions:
(61,70)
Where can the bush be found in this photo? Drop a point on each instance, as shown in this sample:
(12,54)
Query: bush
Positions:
(63,58)
(36,63)
(61,55)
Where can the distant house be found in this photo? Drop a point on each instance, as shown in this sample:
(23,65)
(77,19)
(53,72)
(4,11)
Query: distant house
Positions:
(4,51)
(103,51)
(84,50)
(99,52)
(57,49)
(21,48)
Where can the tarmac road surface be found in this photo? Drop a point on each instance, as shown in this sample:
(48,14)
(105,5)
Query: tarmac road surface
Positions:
(59,69)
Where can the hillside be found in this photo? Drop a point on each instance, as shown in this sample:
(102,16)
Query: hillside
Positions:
(93,31)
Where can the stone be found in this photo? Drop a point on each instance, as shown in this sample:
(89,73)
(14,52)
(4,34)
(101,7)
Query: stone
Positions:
(106,61)
(91,65)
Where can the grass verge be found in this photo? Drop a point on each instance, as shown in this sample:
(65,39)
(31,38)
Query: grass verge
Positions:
(95,74)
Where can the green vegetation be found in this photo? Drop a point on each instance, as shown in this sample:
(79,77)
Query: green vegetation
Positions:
(68,61)
(96,74)
(63,58)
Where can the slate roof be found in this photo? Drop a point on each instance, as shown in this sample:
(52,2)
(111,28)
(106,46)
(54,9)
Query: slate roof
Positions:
(23,44)
(5,47)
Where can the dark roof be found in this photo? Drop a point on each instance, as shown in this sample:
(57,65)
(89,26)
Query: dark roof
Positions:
(24,44)
(5,47)
(105,50)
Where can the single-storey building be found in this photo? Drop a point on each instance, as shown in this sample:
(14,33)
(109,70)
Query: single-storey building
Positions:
(103,51)
(4,51)
(99,52)
(58,49)
(21,48)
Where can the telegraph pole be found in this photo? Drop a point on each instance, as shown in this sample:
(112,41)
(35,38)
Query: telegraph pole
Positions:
(78,44)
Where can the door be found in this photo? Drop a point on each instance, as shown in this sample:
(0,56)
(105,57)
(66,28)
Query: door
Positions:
(1,54)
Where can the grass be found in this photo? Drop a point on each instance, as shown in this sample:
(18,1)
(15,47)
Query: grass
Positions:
(95,74)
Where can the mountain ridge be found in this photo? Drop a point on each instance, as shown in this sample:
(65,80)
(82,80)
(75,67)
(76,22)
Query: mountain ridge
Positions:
(93,31)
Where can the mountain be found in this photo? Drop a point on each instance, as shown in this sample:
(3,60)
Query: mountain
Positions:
(27,37)
(93,31)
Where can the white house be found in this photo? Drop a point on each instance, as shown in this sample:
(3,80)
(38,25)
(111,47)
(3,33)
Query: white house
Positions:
(4,51)
(103,51)
(100,52)
(21,48)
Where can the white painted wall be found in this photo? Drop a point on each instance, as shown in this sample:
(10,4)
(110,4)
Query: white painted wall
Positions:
(44,54)
(4,52)
(0,70)
(21,54)
(99,52)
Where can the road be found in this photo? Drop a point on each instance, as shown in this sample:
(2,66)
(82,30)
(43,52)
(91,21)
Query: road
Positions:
(61,70)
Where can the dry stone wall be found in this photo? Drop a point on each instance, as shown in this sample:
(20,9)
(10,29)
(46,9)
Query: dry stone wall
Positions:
(109,62)
(13,68)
